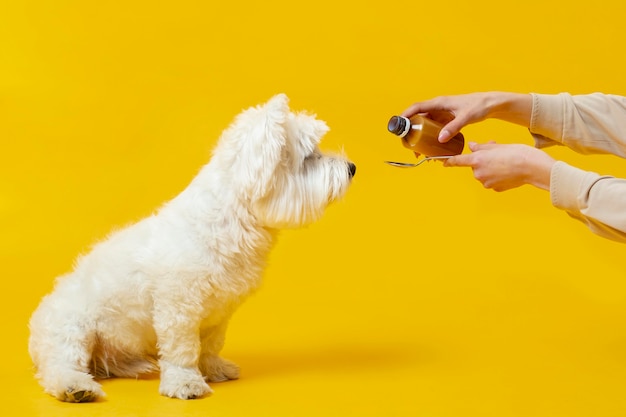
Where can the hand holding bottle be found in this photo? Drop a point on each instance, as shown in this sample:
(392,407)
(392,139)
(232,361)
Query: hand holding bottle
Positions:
(456,112)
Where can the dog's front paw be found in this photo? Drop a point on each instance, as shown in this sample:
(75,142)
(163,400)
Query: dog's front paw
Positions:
(76,387)
(183,383)
(78,395)
(216,369)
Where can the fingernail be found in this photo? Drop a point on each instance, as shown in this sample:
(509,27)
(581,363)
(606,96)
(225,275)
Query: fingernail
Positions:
(443,135)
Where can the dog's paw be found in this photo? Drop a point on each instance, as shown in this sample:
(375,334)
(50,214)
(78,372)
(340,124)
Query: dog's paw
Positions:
(183,383)
(77,387)
(216,369)
(73,395)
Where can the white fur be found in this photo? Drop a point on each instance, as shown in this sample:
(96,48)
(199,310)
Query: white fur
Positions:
(157,296)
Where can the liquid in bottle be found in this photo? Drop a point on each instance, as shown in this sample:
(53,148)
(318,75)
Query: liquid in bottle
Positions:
(420,134)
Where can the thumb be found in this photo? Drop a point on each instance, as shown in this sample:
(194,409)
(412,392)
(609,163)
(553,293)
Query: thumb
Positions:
(446,133)
(451,129)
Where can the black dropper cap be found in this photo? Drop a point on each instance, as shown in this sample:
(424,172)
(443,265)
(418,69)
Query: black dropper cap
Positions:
(397,125)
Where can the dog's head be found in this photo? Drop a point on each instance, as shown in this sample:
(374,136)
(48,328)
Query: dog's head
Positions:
(277,168)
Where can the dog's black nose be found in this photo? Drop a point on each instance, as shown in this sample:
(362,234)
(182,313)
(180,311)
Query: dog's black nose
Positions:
(351,169)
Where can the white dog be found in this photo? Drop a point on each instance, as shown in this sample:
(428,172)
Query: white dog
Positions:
(157,296)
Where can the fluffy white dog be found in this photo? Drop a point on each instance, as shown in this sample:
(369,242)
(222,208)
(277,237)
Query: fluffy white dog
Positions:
(158,295)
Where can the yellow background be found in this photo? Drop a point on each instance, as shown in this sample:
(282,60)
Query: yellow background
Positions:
(420,294)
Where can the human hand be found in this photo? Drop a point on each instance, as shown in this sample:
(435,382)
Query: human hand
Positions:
(456,112)
(502,167)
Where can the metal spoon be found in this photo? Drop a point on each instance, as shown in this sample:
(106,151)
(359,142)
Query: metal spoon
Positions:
(412,165)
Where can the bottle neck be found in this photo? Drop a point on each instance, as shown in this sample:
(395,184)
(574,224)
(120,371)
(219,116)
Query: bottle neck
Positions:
(405,123)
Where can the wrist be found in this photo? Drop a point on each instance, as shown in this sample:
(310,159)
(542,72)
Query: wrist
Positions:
(497,104)
(511,107)
(539,169)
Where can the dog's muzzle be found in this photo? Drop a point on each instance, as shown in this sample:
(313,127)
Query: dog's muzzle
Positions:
(351,169)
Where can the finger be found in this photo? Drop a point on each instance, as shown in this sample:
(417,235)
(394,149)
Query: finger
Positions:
(441,116)
(464,160)
(452,128)
(427,106)
(474,147)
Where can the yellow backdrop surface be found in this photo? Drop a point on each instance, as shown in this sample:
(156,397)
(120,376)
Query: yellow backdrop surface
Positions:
(420,294)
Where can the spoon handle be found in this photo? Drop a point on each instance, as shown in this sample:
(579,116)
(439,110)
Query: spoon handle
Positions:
(413,165)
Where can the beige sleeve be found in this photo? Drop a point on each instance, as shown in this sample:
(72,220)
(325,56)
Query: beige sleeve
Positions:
(592,123)
(596,200)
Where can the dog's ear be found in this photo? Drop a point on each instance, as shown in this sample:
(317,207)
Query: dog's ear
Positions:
(261,149)
(306,133)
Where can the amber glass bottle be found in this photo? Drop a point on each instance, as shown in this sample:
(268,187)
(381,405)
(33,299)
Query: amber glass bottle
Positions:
(420,134)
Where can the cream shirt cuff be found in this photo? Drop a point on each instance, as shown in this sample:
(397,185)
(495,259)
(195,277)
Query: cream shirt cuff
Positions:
(569,185)
(546,110)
